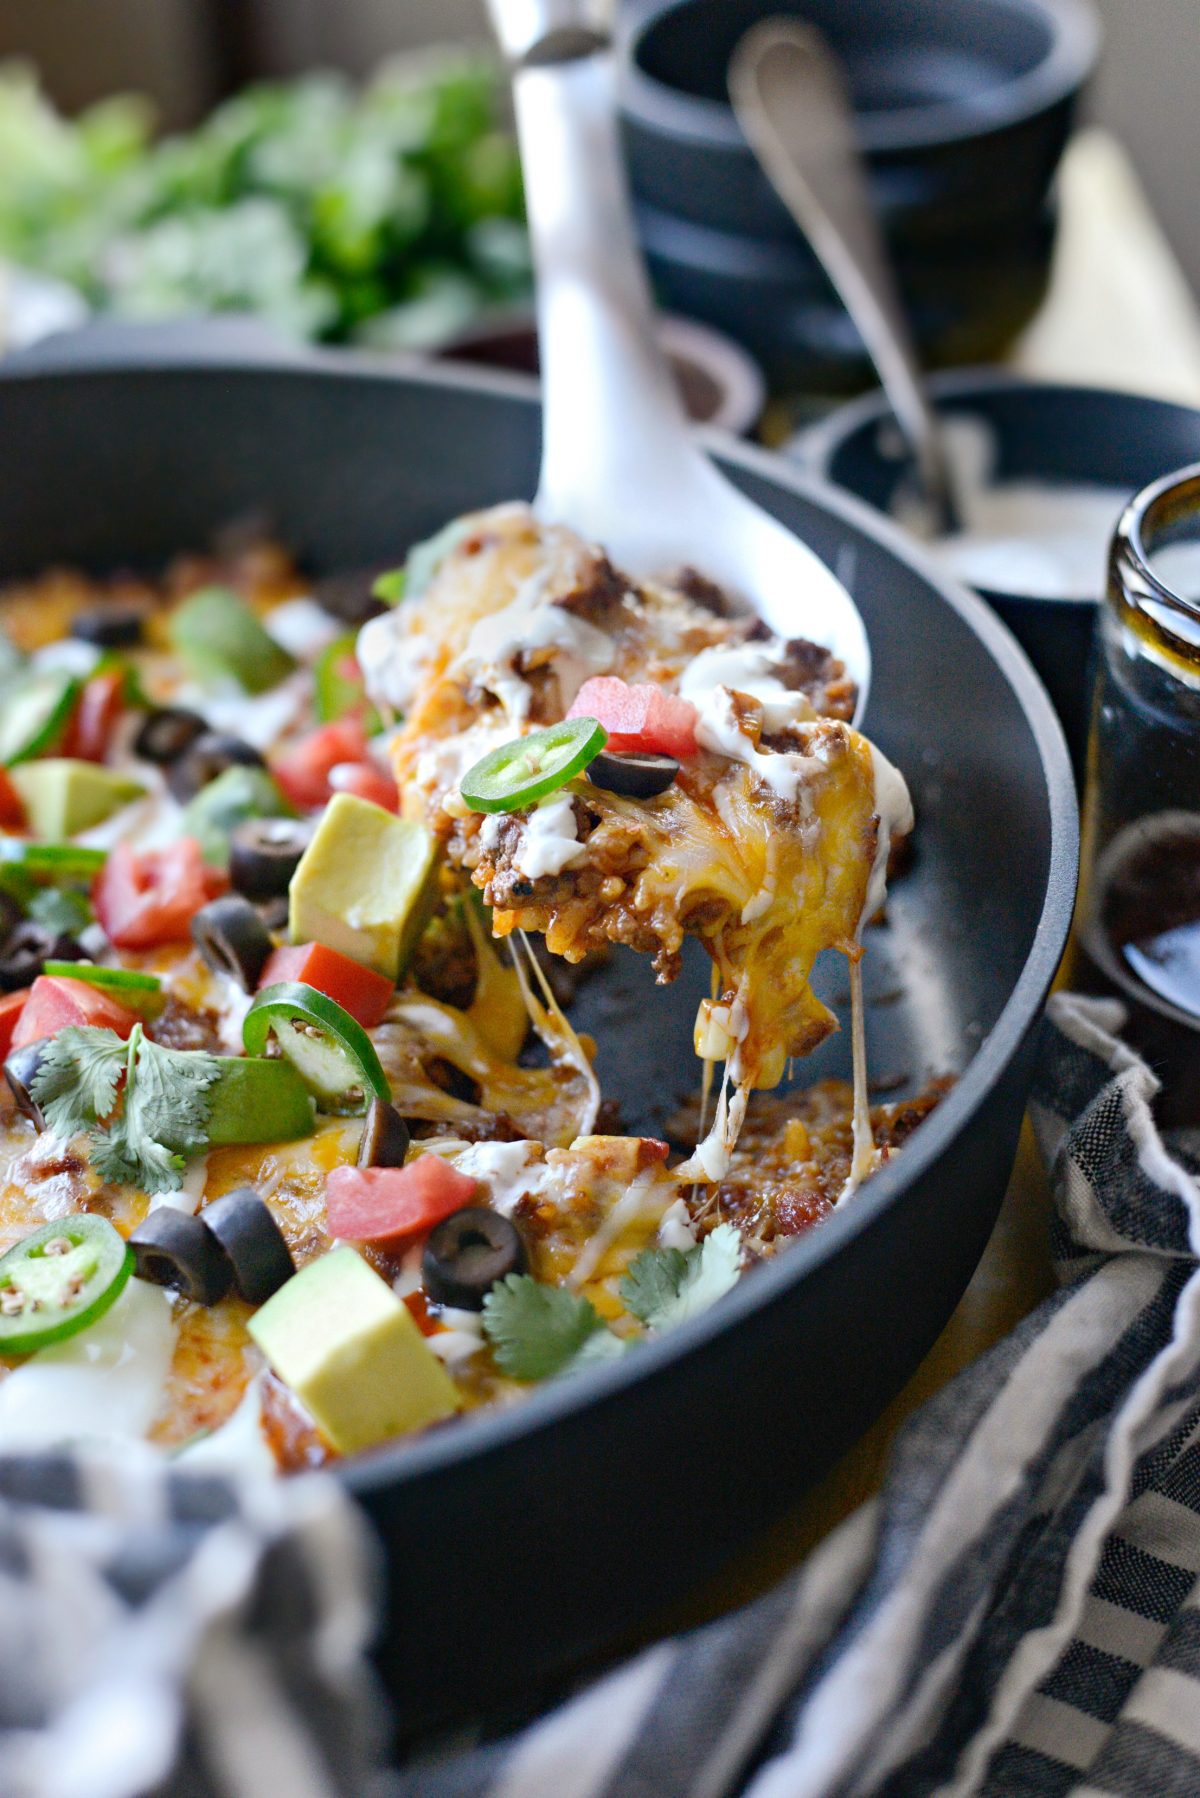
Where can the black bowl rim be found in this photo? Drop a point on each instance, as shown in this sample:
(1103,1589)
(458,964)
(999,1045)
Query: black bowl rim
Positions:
(814,448)
(1067,65)
(224,355)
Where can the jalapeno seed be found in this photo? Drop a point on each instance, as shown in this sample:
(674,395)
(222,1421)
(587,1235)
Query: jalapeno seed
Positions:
(467,1253)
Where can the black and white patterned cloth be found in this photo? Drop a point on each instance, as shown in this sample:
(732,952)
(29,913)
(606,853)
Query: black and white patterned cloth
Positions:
(1016,1616)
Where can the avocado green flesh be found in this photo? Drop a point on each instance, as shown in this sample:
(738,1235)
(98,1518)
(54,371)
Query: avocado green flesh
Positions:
(62,796)
(366,885)
(259,1100)
(352,1353)
(237,795)
(219,638)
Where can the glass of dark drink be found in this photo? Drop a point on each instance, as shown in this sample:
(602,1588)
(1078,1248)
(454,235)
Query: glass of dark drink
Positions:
(1138,923)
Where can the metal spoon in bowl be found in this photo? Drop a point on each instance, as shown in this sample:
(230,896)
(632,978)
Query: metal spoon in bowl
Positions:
(619,462)
(790,99)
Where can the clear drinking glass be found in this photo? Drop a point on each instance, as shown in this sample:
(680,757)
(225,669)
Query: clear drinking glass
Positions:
(1138,920)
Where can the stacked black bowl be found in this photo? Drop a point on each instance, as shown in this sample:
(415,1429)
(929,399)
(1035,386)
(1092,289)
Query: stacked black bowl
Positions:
(963,109)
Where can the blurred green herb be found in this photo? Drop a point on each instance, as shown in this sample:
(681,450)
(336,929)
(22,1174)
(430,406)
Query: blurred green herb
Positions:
(389,215)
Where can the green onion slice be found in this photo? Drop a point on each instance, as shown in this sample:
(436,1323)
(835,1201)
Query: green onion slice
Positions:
(59,1280)
(329,1049)
(520,773)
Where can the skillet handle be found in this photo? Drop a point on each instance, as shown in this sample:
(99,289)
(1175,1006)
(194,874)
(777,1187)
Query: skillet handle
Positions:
(614,428)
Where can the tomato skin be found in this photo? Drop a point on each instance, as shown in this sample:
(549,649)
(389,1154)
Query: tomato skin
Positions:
(366,781)
(11,1007)
(387,1204)
(12,812)
(362,992)
(94,719)
(303,770)
(54,1003)
(638,716)
(143,900)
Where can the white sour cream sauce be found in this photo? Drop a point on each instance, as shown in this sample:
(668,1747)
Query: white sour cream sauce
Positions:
(104,1385)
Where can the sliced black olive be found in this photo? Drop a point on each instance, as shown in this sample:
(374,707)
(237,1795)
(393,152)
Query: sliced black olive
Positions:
(172,1249)
(467,1254)
(10,915)
(109,627)
(20,1070)
(274,912)
(28,948)
(233,939)
(168,733)
(384,1141)
(264,853)
(349,596)
(636,776)
(206,757)
(253,1241)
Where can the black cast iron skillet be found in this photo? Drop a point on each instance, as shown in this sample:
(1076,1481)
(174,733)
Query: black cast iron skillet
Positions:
(520,1541)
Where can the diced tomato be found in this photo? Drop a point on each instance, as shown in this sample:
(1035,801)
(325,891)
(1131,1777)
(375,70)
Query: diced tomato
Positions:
(94,719)
(11,1007)
(362,992)
(366,781)
(639,716)
(143,900)
(54,1003)
(386,1204)
(418,1305)
(12,812)
(303,770)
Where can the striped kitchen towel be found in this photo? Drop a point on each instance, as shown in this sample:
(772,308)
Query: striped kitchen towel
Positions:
(1017,1615)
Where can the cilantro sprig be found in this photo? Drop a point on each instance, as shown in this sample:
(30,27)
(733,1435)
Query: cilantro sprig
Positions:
(139,1134)
(664,1287)
(538,1331)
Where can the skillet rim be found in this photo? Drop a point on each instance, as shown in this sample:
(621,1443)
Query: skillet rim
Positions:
(233,349)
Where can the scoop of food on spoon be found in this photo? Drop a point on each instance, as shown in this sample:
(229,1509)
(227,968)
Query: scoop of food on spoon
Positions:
(790,98)
(619,462)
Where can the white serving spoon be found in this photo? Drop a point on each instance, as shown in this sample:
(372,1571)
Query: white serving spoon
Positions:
(619,462)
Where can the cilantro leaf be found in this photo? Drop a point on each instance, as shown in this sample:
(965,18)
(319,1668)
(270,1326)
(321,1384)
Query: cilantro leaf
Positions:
(169,1101)
(664,1287)
(538,1330)
(76,1084)
(164,1110)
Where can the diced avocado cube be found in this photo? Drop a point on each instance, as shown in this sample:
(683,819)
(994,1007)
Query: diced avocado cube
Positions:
(215,812)
(351,1352)
(366,885)
(219,638)
(62,796)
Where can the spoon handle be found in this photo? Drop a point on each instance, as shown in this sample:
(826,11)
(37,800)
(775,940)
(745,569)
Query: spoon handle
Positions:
(790,99)
(613,421)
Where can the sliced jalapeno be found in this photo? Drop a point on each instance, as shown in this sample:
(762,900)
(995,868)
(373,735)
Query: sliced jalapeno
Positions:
(60,1280)
(520,773)
(61,862)
(329,1049)
(338,684)
(127,983)
(35,714)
